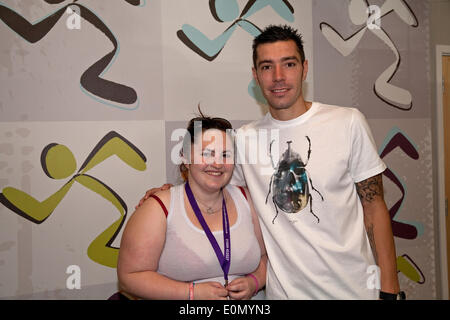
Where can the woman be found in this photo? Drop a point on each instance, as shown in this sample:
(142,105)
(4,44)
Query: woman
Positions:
(198,240)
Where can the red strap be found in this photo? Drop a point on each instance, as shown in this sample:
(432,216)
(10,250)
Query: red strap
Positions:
(161,204)
(243,192)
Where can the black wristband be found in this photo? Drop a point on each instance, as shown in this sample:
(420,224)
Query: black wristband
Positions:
(392,296)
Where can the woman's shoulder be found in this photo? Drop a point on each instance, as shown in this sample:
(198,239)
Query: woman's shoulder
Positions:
(164,195)
(158,203)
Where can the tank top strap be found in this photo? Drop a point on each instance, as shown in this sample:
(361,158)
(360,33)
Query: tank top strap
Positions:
(239,197)
(243,192)
(160,203)
(176,202)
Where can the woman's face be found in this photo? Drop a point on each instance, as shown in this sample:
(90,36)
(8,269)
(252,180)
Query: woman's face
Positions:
(212,160)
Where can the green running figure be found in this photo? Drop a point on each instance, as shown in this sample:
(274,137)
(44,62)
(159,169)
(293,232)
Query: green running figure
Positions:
(58,162)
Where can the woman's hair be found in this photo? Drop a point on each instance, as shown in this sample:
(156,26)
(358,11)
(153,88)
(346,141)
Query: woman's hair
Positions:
(205,123)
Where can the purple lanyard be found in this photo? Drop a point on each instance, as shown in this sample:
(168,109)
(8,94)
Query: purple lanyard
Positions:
(224,260)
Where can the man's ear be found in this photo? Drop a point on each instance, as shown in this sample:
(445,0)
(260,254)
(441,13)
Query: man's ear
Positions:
(305,69)
(255,76)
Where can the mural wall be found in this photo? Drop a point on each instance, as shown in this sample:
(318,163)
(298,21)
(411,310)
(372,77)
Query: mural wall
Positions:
(92,91)
(382,66)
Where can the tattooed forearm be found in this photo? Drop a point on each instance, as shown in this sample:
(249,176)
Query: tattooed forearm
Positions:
(370,191)
(371,237)
(370,188)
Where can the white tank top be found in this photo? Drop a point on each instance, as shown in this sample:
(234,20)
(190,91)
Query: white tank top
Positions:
(188,255)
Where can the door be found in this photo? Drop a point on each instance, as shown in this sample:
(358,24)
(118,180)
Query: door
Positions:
(446,79)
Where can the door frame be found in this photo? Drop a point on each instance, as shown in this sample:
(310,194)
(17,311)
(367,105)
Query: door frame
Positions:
(441,50)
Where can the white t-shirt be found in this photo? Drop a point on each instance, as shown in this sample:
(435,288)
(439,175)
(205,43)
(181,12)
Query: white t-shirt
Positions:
(317,243)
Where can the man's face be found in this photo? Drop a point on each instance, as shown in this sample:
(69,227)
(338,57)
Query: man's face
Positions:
(280,73)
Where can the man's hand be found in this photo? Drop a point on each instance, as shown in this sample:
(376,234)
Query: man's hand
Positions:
(153,191)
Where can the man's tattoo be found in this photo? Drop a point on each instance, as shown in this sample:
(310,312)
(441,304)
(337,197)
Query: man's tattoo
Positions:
(371,237)
(370,188)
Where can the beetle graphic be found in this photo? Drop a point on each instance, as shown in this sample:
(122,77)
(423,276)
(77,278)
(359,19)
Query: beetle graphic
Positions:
(290,183)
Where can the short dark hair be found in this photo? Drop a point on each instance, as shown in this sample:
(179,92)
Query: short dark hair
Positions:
(206,123)
(274,33)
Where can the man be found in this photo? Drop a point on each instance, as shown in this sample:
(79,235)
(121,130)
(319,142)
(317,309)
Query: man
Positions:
(319,234)
(324,220)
